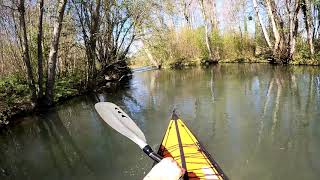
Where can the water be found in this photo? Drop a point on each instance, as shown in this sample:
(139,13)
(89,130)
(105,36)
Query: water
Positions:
(258,121)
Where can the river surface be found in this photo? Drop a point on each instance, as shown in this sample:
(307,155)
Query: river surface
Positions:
(258,121)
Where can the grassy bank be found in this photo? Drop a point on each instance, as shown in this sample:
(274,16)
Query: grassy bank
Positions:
(188,47)
(191,63)
(15,96)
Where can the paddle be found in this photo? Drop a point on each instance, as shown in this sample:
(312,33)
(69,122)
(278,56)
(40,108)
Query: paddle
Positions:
(121,122)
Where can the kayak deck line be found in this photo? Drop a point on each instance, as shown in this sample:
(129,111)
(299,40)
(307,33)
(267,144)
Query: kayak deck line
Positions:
(183,146)
(182,157)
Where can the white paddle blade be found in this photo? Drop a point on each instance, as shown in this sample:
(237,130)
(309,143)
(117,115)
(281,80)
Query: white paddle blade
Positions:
(121,122)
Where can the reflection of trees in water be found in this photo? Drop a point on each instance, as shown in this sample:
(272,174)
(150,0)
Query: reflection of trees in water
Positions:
(288,84)
(276,108)
(308,111)
(268,97)
(286,81)
(45,136)
(212,85)
(9,163)
(49,140)
(63,150)
(290,94)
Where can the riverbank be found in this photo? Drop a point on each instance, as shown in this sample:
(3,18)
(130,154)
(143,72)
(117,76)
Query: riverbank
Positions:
(22,106)
(308,62)
(191,63)
(15,98)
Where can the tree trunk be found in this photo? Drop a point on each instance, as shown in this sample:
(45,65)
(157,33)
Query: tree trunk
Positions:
(1,58)
(271,11)
(95,18)
(150,57)
(305,6)
(293,29)
(25,51)
(186,13)
(213,17)
(40,56)
(208,39)
(214,26)
(316,20)
(264,30)
(52,60)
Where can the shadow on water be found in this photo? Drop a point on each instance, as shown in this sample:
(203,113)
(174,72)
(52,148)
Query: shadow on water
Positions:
(54,144)
(257,121)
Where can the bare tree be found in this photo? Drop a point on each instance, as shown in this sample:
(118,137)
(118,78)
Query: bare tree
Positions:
(40,53)
(213,14)
(149,54)
(206,26)
(186,12)
(89,16)
(316,19)
(25,49)
(1,56)
(264,30)
(306,7)
(271,9)
(52,60)
(293,26)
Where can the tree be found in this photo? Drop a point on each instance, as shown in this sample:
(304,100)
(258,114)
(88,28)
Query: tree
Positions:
(25,50)
(271,9)
(264,30)
(52,60)
(186,12)
(316,18)
(108,30)
(40,52)
(149,54)
(89,16)
(306,7)
(206,26)
(213,14)
(293,27)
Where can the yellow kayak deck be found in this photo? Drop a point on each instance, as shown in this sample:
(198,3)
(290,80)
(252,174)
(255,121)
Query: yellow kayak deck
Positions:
(180,144)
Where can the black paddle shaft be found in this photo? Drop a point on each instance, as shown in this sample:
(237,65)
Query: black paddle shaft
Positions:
(148,150)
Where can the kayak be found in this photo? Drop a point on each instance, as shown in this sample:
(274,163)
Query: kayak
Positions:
(182,145)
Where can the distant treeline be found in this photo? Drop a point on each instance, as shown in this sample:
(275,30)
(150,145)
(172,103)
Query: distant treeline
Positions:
(197,31)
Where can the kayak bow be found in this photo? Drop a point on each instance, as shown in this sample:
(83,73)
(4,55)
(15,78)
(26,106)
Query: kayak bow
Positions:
(180,144)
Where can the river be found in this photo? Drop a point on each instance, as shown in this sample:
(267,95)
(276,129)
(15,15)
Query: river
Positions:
(258,121)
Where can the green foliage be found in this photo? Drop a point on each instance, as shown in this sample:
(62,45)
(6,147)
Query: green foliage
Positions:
(66,87)
(139,60)
(184,47)
(15,94)
(13,90)
(217,41)
(302,50)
